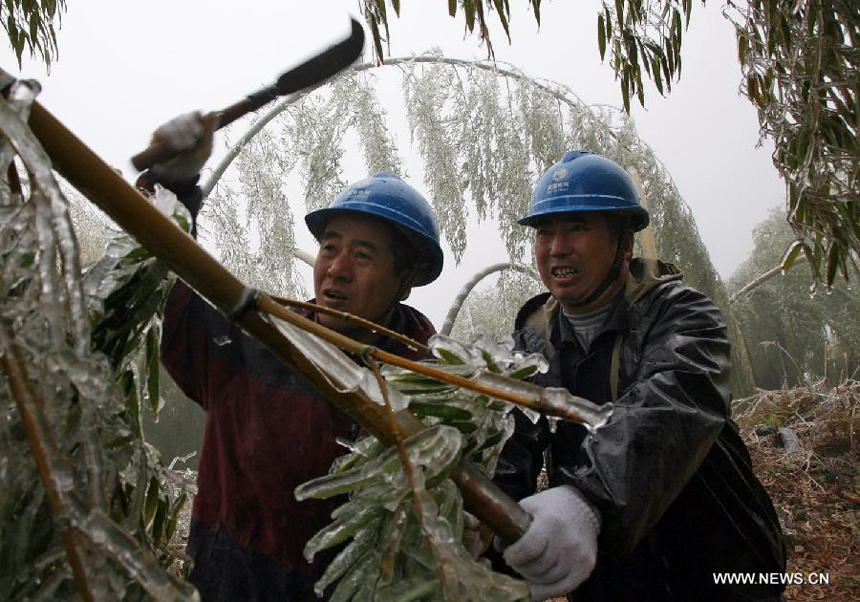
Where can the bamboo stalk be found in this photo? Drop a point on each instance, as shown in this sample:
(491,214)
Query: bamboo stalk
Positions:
(106,188)
(267,305)
(26,399)
(351,318)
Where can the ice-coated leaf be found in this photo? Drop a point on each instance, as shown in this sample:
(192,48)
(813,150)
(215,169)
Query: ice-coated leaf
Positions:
(364,571)
(435,448)
(153,338)
(351,554)
(344,527)
(446,412)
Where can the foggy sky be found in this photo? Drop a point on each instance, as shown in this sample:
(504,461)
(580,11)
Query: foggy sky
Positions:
(125,67)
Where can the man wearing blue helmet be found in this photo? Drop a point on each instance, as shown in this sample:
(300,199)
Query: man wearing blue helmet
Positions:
(653,504)
(267,429)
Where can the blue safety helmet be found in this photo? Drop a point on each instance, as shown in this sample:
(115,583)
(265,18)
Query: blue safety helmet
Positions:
(584,181)
(386,196)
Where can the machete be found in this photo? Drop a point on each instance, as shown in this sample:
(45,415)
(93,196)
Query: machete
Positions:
(309,74)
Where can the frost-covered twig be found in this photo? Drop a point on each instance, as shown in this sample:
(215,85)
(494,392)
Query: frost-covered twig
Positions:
(353,319)
(454,310)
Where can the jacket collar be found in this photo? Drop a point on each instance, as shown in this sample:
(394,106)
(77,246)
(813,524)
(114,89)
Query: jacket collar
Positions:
(406,320)
(541,312)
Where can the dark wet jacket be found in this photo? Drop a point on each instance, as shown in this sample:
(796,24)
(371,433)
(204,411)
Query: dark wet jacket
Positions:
(669,472)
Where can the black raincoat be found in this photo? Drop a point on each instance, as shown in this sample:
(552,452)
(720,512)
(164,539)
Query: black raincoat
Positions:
(669,472)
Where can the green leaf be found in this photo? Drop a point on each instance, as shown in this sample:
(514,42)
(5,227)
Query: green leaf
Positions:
(619,13)
(786,31)
(128,386)
(448,357)
(383,15)
(815,259)
(658,81)
(452,7)
(832,263)
(500,9)
(34,26)
(348,557)
(601,37)
(536,5)
(670,60)
(469,7)
(174,515)
(634,14)
(153,336)
(491,441)
(752,89)
(791,255)
(343,528)
(151,502)
(464,427)
(640,89)
(440,410)
(625,91)
(377,39)
(607,22)
(158,522)
(522,373)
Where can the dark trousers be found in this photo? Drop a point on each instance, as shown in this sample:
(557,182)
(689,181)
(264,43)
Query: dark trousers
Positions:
(227,572)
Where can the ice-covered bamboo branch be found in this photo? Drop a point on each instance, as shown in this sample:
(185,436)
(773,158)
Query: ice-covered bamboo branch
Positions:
(556,402)
(39,440)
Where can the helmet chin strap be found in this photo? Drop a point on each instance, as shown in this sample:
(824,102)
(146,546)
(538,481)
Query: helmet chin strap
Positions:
(614,270)
(405,283)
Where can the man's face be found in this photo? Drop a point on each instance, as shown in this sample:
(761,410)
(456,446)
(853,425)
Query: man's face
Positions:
(574,253)
(354,270)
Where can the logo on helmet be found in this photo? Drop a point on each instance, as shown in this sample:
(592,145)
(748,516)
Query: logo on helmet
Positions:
(560,174)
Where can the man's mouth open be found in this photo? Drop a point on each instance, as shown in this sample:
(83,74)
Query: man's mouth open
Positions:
(563,273)
(334,296)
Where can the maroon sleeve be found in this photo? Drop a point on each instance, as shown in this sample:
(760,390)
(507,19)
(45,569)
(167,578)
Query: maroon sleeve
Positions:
(183,343)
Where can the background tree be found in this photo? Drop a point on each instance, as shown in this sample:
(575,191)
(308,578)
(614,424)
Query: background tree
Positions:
(800,66)
(794,336)
(91,227)
(30,24)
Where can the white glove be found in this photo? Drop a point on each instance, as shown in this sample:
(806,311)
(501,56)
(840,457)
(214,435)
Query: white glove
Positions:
(559,550)
(190,135)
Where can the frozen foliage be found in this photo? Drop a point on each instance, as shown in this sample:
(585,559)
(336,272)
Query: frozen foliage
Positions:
(316,136)
(368,118)
(406,522)
(268,220)
(431,127)
(79,359)
(799,61)
(795,337)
